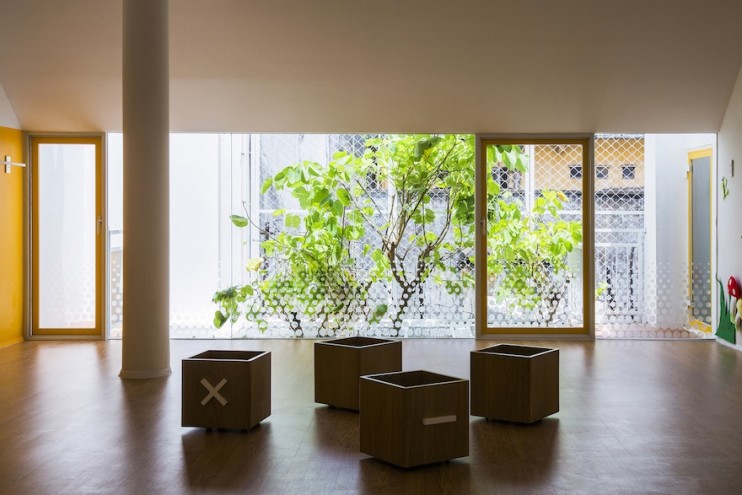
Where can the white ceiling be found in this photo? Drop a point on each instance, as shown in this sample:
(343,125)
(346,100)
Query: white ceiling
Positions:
(387,65)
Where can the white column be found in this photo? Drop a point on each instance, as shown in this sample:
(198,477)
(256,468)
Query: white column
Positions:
(146,333)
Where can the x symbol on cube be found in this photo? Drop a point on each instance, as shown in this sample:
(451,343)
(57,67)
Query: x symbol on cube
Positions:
(214,391)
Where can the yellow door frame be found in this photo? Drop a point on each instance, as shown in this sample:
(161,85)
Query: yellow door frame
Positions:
(695,155)
(98,331)
(588,234)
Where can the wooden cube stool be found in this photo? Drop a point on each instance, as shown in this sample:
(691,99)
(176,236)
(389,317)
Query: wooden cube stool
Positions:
(226,389)
(339,363)
(515,383)
(414,418)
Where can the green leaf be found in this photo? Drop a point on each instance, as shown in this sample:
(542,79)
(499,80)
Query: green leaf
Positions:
(269,246)
(378,314)
(303,196)
(219,319)
(280,179)
(253,264)
(312,169)
(378,255)
(493,188)
(238,220)
(266,185)
(321,196)
(344,196)
(293,175)
(292,221)
(422,146)
(337,208)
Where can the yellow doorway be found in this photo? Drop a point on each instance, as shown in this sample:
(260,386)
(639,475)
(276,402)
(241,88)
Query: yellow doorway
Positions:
(67,231)
(700,220)
(534,247)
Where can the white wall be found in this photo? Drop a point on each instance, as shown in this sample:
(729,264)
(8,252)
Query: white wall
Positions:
(7,115)
(729,218)
(667,164)
(671,165)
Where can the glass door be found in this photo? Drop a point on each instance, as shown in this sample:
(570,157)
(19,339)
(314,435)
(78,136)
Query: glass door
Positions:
(699,243)
(67,227)
(534,236)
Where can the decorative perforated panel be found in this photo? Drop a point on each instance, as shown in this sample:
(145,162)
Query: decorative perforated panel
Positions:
(374,235)
(534,236)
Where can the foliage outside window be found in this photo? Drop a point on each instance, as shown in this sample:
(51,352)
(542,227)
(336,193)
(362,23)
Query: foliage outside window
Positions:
(501,176)
(407,204)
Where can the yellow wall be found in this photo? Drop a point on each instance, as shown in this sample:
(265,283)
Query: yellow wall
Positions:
(11,240)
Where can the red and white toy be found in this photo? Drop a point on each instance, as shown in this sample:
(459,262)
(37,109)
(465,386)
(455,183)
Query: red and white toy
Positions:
(735,309)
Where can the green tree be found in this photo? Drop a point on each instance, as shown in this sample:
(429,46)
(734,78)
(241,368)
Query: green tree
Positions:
(407,204)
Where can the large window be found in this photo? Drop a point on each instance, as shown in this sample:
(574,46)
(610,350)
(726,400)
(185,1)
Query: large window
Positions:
(358,233)
(535,238)
(316,235)
(201,191)
(412,278)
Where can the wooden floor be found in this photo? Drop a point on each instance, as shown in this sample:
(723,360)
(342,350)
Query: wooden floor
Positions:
(636,417)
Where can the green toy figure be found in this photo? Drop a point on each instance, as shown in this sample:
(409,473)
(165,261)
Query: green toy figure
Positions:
(727,329)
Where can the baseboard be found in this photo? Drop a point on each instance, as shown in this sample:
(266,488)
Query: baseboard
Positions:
(142,375)
(9,342)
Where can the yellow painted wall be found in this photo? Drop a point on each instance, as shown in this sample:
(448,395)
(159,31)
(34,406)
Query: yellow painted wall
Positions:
(11,240)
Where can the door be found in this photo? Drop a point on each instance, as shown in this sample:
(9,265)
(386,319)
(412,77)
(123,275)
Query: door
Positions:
(533,233)
(699,242)
(67,236)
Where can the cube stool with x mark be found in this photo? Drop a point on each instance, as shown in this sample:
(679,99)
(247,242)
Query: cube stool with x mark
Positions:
(226,389)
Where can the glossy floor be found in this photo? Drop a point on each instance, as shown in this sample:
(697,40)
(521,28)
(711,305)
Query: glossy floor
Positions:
(636,417)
